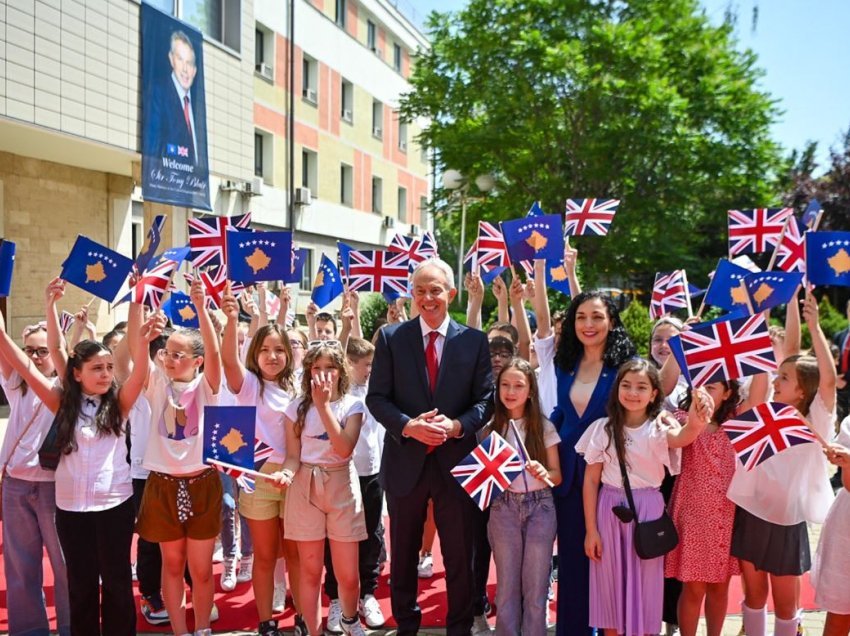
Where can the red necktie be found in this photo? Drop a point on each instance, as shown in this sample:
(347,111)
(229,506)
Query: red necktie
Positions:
(186,114)
(431,363)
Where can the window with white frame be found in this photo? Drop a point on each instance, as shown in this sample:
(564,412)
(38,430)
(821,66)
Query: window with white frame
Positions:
(371,36)
(347,101)
(346,184)
(263,52)
(377,194)
(402,205)
(220,20)
(402,136)
(310,80)
(310,171)
(377,119)
(397,57)
(263,156)
(307,271)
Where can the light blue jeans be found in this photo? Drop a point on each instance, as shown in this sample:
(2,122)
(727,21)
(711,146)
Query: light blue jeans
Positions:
(229,515)
(522,534)
(29,512)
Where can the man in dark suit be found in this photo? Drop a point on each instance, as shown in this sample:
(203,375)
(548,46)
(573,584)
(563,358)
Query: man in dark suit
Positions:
(431,388)
(842,340)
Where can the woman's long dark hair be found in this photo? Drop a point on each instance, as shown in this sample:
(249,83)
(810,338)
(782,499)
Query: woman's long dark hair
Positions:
(618,346)
(533,417)
(108,416)
(615,425)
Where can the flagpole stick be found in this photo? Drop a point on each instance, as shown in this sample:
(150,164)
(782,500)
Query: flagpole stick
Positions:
(545,480)
(246,471)
(701,307)
(687,293)
(88,304)
(747,297)
(781,236)
(817,221)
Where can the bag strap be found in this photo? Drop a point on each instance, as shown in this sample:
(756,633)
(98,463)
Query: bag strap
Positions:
(20,437)
(626,486)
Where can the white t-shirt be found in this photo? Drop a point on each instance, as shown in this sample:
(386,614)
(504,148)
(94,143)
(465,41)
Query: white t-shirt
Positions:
(525,482)
(175,443)
(647,454)
(671,402)
(270,408)
(24,463)
(140,428)
(792,486)
(370,444)
(96,476)
(315,442)
(547,383)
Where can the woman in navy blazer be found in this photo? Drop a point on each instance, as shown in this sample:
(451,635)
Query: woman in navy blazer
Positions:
(593,344)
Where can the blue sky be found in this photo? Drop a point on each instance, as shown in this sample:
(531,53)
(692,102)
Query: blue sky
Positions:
(803,46)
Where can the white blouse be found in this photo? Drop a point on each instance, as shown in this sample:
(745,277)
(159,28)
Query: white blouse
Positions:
(316,445)
(270,408)
(647,453)
(96,476)
(370,444)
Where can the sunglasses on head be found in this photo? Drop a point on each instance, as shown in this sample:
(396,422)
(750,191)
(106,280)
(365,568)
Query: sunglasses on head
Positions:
(334,344)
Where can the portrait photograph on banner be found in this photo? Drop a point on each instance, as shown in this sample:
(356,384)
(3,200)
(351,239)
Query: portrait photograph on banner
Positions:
(175,167)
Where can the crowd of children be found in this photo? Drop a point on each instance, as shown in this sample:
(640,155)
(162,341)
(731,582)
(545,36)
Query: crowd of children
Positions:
(104,440)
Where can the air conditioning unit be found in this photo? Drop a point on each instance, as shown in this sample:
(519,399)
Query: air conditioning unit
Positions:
(402,145)
(228,186)
(414,230)
(303,196)
(347,115)
(265,70)
(389,222)
(254,187)
(310,95)
(377,132)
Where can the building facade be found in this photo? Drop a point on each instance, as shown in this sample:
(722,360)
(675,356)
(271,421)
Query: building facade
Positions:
(70,112)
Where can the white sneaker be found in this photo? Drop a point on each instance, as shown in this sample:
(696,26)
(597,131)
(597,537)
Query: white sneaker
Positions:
(355,628)
(425,569)
(228,576)
(334,617)
(246,569)
(279,599)
(218,553)
(480,625)
(214,613)
(371,612)
(133,568)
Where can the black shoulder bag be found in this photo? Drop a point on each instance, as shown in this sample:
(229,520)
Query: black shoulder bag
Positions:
(652,538)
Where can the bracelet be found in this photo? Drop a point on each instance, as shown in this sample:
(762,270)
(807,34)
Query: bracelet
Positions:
(288,474)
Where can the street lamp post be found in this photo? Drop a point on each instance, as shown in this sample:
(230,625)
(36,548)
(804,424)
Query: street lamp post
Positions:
(455,181)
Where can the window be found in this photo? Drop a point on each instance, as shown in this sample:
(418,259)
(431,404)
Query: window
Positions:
(136,224)
(423,208)
(340,13)
(263,52)
(347,102)
(309,80)
(307,271)
(397,57)
(402,205)
(371,36)
(310,171)
(346,185)
(259,56)
(219,20)
(377,119)
(402,136)
(377,194)
(166,6)
(258,155)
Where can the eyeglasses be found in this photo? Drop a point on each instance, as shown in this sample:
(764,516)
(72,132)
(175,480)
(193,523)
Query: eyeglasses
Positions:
(174,356)
(501,355)
(296,344)
(39,352)
(333,344)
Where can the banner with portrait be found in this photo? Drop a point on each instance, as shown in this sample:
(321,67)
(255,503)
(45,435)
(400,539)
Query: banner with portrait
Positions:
(175,168)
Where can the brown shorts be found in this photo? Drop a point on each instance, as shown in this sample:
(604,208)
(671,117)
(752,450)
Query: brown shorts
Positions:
(158,515)
(324,501)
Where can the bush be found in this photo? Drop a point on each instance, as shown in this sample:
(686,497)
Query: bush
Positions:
(636,320)
(372,307)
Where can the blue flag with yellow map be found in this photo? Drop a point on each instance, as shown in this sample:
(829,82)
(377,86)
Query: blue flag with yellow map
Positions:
(534,237)
(259,256)
(180,310)
(828,258)
(96,268)
(770,289)
(229,435)
(725,290)
(328,283)
(7,266)
(556,277)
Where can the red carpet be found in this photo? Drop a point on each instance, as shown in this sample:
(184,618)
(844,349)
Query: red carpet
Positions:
(237,609)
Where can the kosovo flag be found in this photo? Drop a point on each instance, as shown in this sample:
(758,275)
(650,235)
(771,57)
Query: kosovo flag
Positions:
(7,266)
(810,214)
(828,258)
(534,210)
(96,269)
(556,277)
(534,237)
(180,310)
(229,435)
(725,289)
(344,250)
(328,283)
(769,289)
(258,256)
(154,237)
(299,256)
(489,275)
(176,254)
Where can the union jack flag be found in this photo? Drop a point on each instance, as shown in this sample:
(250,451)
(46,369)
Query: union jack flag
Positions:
(66,319)
(262,452)
(490,247)
(214,280)
(766,430)
(757,230)
(151,287)
(378,271)
(791,251)
(669,292)
(418,250)
(724,349)
(488,470)
(589,216)
(208,238)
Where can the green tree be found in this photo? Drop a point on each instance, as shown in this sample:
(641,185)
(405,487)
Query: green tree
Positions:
(642,100)
(373,307)
(637,323)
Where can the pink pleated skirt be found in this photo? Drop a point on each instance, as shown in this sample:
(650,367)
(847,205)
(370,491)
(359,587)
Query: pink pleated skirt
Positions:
(626,592)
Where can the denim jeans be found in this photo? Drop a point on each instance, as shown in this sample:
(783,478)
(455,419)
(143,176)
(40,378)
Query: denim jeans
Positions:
(229,515)
(522,534)
(30,526)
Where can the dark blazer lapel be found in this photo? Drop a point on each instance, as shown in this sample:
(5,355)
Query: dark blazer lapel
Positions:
(417,346)
(448,352)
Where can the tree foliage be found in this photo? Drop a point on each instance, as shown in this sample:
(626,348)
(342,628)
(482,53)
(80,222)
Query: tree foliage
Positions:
(641,100)
(636,320)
